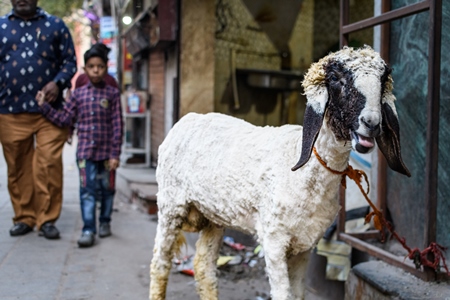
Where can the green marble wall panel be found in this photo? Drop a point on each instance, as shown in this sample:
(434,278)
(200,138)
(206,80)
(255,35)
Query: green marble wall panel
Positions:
(443,209)
(408,58)
(401,3)
(406,196)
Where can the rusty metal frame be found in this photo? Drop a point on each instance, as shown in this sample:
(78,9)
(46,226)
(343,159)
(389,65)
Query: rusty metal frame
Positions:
(431,169)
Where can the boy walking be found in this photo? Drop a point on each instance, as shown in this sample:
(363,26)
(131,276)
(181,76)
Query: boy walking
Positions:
(96,108)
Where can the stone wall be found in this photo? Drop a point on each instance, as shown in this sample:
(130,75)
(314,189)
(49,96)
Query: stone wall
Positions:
(197,56)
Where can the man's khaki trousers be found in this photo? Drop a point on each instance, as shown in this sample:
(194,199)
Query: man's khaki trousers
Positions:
(32,147)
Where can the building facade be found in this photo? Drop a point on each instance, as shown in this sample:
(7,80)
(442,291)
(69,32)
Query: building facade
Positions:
(246,58)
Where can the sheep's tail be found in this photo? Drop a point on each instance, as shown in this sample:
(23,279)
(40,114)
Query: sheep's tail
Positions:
(179,242)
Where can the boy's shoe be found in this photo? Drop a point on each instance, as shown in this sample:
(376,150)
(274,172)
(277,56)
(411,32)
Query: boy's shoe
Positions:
(104,230)
(86,239)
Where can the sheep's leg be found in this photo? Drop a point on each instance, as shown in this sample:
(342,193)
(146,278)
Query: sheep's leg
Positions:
(297,265)
(277,271)
(167,235)
(205,261)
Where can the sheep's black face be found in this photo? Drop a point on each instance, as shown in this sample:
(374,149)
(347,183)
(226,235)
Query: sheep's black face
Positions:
(351,91)
(352,115)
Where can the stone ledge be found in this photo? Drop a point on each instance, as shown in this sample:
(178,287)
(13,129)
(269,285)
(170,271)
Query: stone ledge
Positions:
(144,195)
(379,280)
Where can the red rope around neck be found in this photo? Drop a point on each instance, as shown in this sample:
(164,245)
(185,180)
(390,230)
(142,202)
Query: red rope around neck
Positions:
(419,257)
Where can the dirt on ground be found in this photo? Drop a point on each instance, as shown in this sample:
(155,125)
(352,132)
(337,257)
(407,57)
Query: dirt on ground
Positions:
(240,271)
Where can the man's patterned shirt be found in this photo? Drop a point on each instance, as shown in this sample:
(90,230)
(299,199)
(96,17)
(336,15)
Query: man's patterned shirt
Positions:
(32,53)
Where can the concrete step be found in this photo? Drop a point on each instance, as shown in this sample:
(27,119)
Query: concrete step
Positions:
(138,186)
(144,195)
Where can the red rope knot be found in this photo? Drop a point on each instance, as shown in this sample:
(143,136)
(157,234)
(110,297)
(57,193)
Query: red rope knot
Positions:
(420,257)
(356,176)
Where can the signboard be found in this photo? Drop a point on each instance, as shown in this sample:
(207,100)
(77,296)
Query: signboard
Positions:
(107,26)
(135,101)
(108,36)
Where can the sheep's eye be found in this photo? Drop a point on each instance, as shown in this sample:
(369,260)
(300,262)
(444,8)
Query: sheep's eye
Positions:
(334,78)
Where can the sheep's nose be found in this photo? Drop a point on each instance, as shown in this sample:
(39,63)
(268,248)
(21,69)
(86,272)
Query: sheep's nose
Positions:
(372,124)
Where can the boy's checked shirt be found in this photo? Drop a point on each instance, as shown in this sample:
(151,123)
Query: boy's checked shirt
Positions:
(98,114)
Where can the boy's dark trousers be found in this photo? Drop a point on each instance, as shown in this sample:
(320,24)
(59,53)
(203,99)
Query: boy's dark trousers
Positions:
(97,183)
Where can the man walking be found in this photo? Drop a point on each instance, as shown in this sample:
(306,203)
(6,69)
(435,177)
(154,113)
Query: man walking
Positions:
(36,53)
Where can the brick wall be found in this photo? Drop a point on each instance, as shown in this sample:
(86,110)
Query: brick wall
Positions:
(156,89)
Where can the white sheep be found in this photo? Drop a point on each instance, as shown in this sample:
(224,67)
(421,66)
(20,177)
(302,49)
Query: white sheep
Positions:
(216,171)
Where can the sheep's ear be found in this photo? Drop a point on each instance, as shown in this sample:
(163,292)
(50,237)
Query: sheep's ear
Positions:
(389,141)
(312,122)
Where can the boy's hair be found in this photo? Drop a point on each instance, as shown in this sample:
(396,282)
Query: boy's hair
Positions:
(97,50)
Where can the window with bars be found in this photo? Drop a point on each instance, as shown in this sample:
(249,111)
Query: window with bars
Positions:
(408,35)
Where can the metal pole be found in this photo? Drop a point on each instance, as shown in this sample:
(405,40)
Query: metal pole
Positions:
(432,145)
(344,20)
(119,49)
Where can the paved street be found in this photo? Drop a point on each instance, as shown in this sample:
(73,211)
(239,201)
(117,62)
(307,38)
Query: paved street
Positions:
(32,267)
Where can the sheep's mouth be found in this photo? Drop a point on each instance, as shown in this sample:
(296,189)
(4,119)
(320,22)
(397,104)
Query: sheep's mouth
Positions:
(361,143)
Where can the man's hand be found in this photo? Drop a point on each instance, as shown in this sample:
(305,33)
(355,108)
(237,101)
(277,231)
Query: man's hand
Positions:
(113,163)
(51,91)
(40,98)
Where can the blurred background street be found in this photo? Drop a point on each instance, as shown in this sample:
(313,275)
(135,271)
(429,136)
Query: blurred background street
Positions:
(247,59)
